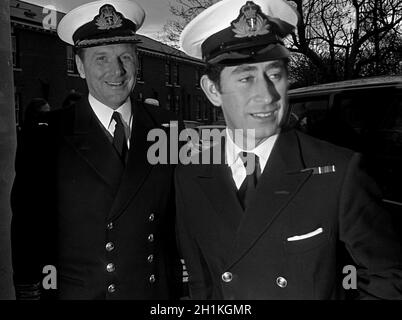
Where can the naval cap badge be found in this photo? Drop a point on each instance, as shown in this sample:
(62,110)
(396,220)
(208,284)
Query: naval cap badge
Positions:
(251,21)
(108,18)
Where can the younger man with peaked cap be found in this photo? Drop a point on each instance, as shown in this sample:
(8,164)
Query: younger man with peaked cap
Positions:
(85,197)
(288,227)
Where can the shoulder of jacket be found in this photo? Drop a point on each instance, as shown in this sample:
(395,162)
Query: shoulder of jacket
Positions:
(159,114)
(325,148)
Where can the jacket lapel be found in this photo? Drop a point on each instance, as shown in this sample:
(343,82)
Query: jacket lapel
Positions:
(138,166)
(217,184)
(280,181)
(92,144)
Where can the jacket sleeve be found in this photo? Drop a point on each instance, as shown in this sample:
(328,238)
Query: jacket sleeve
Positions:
(370,237)
(189,249)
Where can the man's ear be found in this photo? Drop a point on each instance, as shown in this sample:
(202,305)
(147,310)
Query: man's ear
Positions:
(211,91)
(80,66)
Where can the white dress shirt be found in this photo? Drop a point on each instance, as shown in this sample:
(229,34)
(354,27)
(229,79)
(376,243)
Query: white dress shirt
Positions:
(104,114)
(263,151)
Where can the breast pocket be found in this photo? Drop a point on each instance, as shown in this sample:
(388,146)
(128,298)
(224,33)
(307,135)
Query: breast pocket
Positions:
(306,241)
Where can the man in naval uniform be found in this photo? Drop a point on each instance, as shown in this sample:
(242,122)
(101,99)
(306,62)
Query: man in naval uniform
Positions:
(85,198)
(283,215)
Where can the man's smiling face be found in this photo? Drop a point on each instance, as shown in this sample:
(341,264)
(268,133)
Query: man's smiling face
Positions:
(110,72)
(254,96)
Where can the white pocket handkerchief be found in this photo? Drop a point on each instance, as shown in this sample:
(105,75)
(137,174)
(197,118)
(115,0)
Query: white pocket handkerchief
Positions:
(305,236)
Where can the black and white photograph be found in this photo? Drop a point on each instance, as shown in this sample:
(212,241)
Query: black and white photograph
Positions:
(187,152)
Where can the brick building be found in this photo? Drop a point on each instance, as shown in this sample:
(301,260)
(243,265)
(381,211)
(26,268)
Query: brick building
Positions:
(44,67)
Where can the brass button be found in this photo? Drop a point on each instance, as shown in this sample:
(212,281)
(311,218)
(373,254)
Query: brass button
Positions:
(151,217)
(109,246)
(150,258)
(151,238)
(111,288)
(281,282)
(110,226)
(110,267)
(152,278)
(227,276)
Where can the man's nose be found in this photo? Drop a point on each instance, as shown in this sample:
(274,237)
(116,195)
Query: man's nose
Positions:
(267,92)
(117,67)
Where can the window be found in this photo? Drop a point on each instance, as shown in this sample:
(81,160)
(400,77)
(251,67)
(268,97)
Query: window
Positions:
(205,108)
(172,103)
(177,104)
(169,101)
(219,114)
(306,112)
(176,75)
(168,73)
(140,71)
(214,114)
(369,120)
(17,103)
(187,114)
(14,50)
(393,118)
(71,67)
(197,77)
(199,108)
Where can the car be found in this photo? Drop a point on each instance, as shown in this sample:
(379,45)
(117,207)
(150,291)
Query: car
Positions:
(189,124)
(210,127)
(206,134)
(364,115)
(210,134)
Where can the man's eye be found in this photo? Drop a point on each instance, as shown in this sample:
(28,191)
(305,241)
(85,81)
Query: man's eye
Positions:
(275,76)
(127,57)
(246,79)
(101,59)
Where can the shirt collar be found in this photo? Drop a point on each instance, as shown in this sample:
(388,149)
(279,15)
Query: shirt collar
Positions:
(104,113)
(263,150)
(232,149)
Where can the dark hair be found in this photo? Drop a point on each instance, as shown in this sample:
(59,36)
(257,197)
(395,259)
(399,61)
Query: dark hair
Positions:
(213,71)
(79,52)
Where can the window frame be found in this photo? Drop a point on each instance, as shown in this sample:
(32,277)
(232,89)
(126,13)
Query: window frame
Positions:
(168,73)
(70,61)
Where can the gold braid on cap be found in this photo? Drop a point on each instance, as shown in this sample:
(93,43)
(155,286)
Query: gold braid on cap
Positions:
(91,42)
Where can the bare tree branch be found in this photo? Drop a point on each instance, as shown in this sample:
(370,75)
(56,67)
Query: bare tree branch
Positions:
(335,39)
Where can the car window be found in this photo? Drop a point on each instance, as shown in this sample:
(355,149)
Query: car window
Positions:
(365,120)
(387,155)
(306,111)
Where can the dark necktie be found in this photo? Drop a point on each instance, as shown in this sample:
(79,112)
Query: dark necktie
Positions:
(253,171)
(119,137)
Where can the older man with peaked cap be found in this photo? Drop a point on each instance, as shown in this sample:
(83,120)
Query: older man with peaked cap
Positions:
(283,215)
(85,198)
